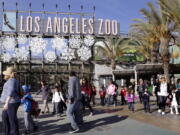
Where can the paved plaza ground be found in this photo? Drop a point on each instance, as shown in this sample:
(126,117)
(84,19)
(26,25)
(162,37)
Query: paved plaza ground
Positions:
(109,121)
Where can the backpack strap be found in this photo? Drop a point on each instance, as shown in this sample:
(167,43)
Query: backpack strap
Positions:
(29,99)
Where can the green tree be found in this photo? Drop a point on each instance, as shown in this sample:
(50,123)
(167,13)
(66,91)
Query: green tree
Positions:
(162,28)
(143,37)
(113,47)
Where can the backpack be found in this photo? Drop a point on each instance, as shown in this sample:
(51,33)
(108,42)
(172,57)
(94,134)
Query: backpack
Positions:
(35,111)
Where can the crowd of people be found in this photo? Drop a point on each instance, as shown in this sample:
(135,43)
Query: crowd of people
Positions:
(73,99)
(77,95)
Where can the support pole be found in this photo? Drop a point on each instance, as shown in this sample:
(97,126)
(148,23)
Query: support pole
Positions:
(136,79)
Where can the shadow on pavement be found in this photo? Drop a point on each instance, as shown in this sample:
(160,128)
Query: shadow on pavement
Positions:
(98,125)
(102,124)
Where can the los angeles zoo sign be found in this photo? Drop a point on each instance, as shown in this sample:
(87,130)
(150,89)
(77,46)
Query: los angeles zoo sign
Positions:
(68,25)
(59,25)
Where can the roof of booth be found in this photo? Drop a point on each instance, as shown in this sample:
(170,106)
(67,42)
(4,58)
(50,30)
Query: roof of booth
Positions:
(149,69)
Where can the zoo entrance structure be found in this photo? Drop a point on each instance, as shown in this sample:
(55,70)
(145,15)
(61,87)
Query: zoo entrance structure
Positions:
(47,45)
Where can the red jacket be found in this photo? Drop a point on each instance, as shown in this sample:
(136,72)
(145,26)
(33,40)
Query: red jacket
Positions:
(102,93)
(87,89)
(123,92)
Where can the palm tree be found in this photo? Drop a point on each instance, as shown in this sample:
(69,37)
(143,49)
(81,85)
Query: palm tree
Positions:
(143,37)
(171,9)
(162,29)
(113,47)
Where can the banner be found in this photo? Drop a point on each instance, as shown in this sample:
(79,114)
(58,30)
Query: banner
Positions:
(9,22)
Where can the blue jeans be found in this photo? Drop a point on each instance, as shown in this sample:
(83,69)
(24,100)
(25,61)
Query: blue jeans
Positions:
(146,106)
(10,120)
(112,99)
(74,113)
(131,106)
(162,102)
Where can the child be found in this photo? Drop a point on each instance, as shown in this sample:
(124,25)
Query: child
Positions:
(102,94)
(146,99)
(131,99)
(26,101)
(174,104)
(56,100)
(123,95)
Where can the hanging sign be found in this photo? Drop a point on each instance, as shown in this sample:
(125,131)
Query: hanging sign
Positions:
(58,25)
(67,25)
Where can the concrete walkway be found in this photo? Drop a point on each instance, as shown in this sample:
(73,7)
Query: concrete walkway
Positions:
(109,121)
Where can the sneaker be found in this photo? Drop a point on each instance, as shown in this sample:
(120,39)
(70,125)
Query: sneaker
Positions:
(177,113)
(172,113)
(26,132)
(159,111)
(47,111)
(163,113)
(42,112)
(73,130)
(91,114)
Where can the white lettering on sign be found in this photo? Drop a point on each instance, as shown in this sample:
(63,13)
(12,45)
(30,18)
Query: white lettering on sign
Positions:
(71,25)
(65,25)
(21,24)
(57,25)
(107,27)
(84,25)
(77,26)
(90,23)
(114,27)
(29,24)
(49,25)
(100,27)
(37,27)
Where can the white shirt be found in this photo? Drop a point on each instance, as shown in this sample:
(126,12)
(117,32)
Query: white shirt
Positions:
(57,97)
(174,102)
(163,90)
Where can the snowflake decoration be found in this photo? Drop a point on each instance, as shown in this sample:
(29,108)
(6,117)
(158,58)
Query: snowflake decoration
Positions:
(6,57)
(75,41)
(68,54)
(84,53)
(50,56)
(89,40)
(59,43)
(22,39)
(9,43)
(37,45)
(21,54)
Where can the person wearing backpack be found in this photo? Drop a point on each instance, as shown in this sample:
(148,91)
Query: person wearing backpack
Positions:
(27,105)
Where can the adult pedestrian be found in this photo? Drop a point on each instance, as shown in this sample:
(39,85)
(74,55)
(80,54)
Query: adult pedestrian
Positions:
(45,96)
(111,91)
(163,93)
(10,98)
(74,102)
(178,91)
(140,89)
(156,88)
(86,94)
(93,94)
